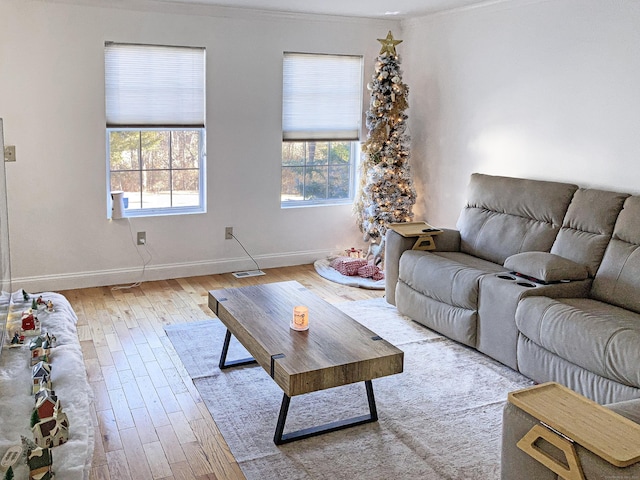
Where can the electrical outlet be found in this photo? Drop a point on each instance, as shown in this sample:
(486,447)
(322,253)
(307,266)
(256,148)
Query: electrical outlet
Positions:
(142,238)
(10,153)
(228,233)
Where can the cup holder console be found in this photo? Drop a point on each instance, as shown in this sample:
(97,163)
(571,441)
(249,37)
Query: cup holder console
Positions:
(514,277)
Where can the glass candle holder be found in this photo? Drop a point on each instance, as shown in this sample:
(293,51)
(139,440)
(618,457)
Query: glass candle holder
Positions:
(300,318)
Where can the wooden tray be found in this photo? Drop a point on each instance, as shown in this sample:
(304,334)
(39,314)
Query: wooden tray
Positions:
(413,229)
(607,434)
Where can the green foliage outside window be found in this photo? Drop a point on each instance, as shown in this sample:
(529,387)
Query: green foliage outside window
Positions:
(316,171)
(156,168)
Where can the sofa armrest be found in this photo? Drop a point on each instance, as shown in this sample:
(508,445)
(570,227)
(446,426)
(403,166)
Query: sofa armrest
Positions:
(546,267)
(514,463)
(395,245)
(447,241)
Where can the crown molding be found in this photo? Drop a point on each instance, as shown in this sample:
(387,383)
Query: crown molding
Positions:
(488,5)
(196,8)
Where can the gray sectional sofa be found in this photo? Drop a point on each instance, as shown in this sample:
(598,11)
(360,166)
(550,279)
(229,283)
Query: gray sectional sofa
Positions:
(541,276)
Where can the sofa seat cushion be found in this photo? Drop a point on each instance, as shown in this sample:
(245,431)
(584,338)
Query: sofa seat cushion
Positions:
(448,277)
(596,336)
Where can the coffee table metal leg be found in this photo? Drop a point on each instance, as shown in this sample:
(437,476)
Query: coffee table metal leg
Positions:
(373,411)
(281,438)
(232,363)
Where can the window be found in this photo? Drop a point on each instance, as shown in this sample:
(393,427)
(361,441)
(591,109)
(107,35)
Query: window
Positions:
(155,105)
(321,121)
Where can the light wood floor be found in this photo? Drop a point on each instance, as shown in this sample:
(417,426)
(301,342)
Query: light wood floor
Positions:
(150,422)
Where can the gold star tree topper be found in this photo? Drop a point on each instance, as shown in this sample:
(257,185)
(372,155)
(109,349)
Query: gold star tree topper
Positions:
(389,44)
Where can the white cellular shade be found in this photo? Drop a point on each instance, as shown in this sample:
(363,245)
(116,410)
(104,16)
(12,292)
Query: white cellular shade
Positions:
(154,86)
(321,97)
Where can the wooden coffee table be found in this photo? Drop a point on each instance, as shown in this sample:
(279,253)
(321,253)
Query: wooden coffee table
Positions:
(335,351)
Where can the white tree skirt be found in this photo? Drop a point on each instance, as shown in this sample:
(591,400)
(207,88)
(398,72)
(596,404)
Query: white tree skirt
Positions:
(325,270)
(71,461)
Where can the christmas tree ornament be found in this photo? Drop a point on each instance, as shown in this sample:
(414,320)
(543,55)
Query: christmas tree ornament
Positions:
(389,44)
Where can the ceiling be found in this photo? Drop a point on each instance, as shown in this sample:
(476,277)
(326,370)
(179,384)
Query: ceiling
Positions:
(351,8)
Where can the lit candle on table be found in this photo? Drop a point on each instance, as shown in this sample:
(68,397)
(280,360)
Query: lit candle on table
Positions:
(300,319)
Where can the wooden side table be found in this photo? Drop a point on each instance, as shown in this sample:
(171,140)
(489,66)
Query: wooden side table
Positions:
(421,230)
(567,417)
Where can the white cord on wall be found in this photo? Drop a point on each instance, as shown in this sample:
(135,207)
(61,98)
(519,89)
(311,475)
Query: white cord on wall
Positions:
(144,262)
(245,251)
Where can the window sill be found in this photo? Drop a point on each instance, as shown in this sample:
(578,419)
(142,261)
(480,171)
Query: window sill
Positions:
(337,203)
(161,212)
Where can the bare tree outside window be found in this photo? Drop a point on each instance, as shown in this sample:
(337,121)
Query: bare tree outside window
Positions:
(317,171)
(156,168)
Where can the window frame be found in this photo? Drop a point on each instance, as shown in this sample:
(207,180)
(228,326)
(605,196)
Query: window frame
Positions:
(290,136)
(159,211)
(354,155)
(164,123)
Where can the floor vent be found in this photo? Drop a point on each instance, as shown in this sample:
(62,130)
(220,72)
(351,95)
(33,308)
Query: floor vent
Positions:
(248,273)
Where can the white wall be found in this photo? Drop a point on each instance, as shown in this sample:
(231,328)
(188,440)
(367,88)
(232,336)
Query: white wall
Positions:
(52,102)
(537,89)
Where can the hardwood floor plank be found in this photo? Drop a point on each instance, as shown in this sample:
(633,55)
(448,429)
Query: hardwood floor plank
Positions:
(99,455)
(153,402)
(210,445)
(169,401)
(104,355)
(118,466)
(156,373)
(120,360)
(182,471)
(157,460)
(94,372)
(84,332)
(171,445)
(136,457)
(136,363)
(100,472)
(111,378)
(109,431)
(121,409)
(101,399)
(146,430)
(189,407)
(197,459)
(182,428)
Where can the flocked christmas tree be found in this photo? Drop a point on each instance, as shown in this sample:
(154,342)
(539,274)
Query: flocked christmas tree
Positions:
(386,194)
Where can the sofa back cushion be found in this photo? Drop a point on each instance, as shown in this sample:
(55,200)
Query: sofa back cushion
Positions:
(588,226)
(504,216)
(618,278)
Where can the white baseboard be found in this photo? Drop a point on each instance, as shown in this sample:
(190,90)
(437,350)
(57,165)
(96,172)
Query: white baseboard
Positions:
(68,281)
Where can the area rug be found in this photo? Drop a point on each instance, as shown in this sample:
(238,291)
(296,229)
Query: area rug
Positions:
(439,419)
(325,270)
